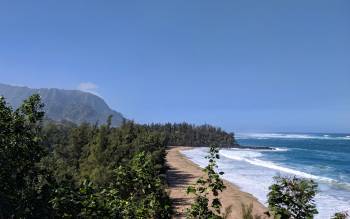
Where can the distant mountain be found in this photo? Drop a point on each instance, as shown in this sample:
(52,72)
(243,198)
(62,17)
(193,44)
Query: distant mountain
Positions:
(65,105)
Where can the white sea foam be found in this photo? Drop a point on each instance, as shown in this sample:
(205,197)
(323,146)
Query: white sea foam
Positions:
(281,149)
(248,170)
(251,157)
(289,136)
(272,135)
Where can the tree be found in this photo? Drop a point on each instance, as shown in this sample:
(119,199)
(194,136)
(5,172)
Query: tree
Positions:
(142,188)
(341,215)
(210,184)
(125,168)
(63,170)
(292,197)
(24,189)
(191,135)
(86,201)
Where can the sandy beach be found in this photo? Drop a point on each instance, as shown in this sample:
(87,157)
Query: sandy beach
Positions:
(183,172)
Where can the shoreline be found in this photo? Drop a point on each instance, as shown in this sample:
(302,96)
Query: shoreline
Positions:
(183,172)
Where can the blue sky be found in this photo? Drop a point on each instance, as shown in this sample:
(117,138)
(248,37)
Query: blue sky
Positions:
(243,65)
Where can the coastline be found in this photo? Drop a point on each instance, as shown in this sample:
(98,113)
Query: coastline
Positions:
(183,172)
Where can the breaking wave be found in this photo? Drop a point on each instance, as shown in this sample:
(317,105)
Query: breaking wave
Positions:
(290,136)
(252,158)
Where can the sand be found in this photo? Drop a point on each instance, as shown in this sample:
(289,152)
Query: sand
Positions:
(183,172)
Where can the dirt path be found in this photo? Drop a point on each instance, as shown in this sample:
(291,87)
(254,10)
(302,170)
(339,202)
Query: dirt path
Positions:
(183,173)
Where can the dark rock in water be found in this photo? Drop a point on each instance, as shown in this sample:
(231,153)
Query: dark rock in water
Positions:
(65,105)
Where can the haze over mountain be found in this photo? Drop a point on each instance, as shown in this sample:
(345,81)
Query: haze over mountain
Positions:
(69,105)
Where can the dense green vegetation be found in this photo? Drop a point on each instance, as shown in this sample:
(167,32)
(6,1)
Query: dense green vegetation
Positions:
(292,197)
(78,171)
(341,215)
(190,135)
(55,170)
(25,186)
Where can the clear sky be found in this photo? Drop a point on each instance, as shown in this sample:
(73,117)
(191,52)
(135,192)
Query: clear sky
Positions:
(243,65)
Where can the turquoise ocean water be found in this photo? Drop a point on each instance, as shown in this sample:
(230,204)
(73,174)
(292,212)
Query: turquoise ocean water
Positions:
(324,158)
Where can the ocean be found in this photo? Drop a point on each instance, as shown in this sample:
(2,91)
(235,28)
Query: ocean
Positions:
(325,158)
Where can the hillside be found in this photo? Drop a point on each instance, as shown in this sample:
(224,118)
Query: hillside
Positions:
(70,105)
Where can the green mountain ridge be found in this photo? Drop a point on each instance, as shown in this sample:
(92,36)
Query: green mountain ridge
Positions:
(65,105)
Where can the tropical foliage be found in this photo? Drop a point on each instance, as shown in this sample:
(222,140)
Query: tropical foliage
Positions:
(25,186)
(185,134)
(341,215)
(210,184)
(51,169)
(292,197)
(63,170)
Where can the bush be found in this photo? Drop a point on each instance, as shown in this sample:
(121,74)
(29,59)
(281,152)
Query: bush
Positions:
(341,215)
(292,197)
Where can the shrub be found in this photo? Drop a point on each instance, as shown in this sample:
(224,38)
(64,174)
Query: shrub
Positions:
(292,197)
(341,215)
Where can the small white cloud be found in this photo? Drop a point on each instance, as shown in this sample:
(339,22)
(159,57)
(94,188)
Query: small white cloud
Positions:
(88,87)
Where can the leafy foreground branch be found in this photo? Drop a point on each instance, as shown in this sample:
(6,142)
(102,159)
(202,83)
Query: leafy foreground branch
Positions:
(211,184)
(292,197)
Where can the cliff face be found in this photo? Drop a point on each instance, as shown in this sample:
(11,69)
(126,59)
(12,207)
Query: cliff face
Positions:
(70,105)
